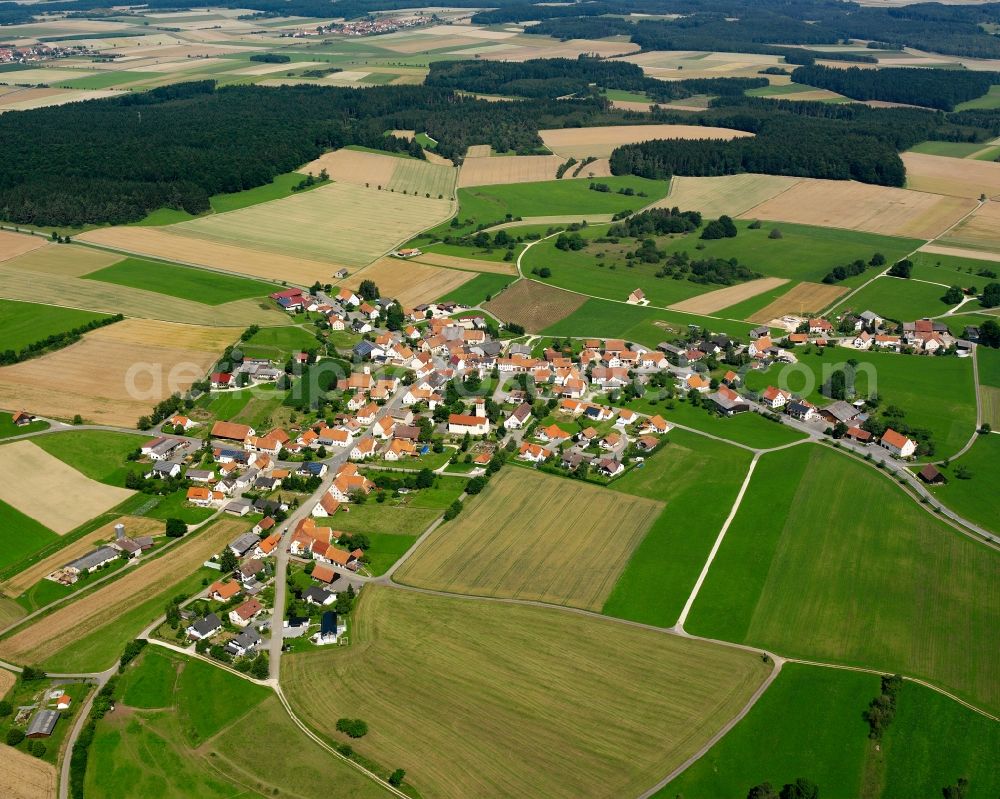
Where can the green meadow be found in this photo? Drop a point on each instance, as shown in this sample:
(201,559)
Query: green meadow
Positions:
(952,149)
(279,342)
(974,495)
(698,479)
(98,454)
(828,560)
(8,428)
(901,300)
(184,729)
(23,323)
(649,326)
(809,724)
(934,393)
(478,289)
(185,282)
(21,535)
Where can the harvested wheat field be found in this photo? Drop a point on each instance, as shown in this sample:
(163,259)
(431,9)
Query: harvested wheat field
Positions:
(959,177)
(115,374)
(25,777)
(57,259)
(422,178)
(42,98)
(801,299)
(456,691)
(723,298)
(26,279)
(409,282)
(729,194)
(860,206)
(15,244)
(134,525)
(355,167)
(7,680)
(509,169)
(178,248)
(569,550)
(534,305)
(30,478)
(478,151)
(466,264)
(600,141)
(981,231)
(78,619)
(344,224)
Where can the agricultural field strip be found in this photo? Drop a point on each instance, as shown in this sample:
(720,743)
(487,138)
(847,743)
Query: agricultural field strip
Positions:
(68,624)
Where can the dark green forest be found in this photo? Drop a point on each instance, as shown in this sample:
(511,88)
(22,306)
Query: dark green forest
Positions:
(934,88)
(560,77)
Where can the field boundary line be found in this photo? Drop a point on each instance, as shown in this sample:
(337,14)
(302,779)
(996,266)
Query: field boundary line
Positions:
(718,543)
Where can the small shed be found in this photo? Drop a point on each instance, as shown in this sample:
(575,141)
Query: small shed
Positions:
(930,474)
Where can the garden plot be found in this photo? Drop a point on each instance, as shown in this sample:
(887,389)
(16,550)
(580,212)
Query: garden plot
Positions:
(49,491)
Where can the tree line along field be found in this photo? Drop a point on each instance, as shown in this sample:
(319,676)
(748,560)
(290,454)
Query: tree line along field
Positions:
(809,724)
(828,560)
(197,719)
(23,323)
(467,674)
(569,549)
(697,478)
(935,393)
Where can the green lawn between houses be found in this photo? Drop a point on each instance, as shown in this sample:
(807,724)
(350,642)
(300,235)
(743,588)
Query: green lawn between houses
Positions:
(698,479)
(935,393)
(809,724)
(828,560)
(23,323)
(185,282)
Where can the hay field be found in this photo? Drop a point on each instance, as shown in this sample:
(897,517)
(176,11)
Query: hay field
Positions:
(267,69)
(860,206)
(422,178)
(981,231)
(409,282)
(174,246)
(478,171)
(7,679)
(466,264)
(800,299)
(723,298)
(990,396)
(355,167)
(42,98)
(51,492)
(46,275)
(600,141)
(134,525)
(55,259)
(478,151)
(15,244)
(115,374)
(959,177)
(534,305)
(729,194)
(78,619)
(457,692)
(25,777)
(343,224)
(534,536)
